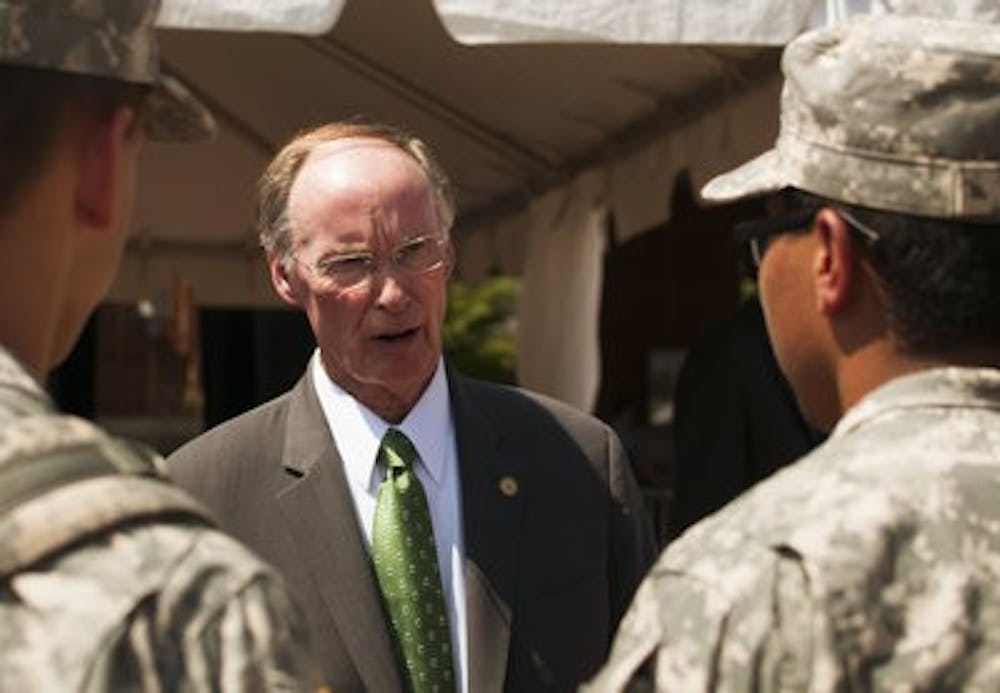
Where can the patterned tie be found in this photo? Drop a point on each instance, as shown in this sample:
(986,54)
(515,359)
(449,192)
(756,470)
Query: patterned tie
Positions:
(407,569)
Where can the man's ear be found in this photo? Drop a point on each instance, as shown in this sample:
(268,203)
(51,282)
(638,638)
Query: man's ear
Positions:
(282,282)
(835,264)
(102,166)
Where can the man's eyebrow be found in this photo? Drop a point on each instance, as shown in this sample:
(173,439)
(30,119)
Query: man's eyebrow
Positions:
(349,249)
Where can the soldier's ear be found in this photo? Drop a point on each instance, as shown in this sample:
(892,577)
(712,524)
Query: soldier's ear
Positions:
(835,262)
(103,169)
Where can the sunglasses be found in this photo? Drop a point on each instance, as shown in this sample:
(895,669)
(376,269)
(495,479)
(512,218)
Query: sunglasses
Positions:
(755,235)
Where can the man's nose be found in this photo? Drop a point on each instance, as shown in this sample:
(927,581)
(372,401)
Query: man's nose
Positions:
(390,286)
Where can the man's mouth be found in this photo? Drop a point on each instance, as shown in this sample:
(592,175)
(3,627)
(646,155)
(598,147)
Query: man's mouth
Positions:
(398,336)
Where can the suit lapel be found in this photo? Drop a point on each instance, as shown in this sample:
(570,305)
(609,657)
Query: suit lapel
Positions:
(491,510)
(320,517)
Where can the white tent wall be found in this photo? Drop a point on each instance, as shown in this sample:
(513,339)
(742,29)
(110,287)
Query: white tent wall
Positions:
(558,349)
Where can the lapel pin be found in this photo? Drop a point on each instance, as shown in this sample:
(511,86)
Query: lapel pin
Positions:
(508,486)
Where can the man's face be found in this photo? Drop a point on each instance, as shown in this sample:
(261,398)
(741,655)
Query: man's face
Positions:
(379,339)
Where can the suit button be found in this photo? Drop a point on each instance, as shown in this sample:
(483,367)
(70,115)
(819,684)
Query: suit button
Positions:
(508,486)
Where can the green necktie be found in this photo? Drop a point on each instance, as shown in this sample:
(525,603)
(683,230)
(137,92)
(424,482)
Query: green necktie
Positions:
(407,569)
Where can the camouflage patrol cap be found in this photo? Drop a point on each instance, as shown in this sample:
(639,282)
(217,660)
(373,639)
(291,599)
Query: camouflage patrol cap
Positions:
(893,113)
(103,38)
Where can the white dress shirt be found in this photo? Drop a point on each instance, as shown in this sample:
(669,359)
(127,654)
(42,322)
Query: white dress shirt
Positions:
(357,432)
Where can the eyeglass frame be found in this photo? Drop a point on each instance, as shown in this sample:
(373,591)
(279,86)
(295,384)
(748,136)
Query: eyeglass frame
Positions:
(757,233)
(373,263)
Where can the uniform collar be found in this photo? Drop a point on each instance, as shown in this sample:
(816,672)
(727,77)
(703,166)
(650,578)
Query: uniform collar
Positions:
(13,375)
(935,387)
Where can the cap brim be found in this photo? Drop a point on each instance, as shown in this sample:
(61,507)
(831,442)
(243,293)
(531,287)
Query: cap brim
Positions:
(175,115)
(761,176)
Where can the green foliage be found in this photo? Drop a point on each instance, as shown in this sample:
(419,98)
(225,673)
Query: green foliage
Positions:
(479,330)
(748,289)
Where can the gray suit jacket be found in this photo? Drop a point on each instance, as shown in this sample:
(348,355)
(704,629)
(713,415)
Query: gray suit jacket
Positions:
(549,568)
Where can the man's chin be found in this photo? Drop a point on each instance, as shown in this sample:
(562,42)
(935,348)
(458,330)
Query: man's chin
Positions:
(396,376)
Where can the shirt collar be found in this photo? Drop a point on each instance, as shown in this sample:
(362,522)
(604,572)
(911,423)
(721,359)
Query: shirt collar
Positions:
(358,431)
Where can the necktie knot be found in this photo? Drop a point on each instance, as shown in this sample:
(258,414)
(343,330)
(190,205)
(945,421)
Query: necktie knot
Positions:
(396,451)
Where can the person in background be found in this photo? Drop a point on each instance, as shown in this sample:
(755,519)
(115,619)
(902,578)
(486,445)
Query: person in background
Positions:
(442,533)
(736,420)
(112,579)
(873,563)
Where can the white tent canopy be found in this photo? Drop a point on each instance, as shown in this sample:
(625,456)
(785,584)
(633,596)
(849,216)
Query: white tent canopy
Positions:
(543,138)
(287,16)
(645,21)
(752,22)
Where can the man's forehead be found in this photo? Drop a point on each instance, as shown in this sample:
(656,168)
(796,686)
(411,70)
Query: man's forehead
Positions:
(349,147)
(356,159)
(357,172)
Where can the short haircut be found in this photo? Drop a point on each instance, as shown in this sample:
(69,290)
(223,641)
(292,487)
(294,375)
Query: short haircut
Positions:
(34,103)
(941,277)
(275,184)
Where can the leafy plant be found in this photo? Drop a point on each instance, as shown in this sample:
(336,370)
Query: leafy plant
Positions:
(480,328)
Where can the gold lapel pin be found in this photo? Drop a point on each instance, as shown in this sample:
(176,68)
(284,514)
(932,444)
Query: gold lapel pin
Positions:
(508,486)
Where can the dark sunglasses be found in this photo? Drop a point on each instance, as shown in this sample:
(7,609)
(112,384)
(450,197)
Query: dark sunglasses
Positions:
(755,235)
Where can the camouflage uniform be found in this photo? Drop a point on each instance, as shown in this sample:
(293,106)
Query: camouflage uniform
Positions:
(110,578)
(871,564)
(157,603)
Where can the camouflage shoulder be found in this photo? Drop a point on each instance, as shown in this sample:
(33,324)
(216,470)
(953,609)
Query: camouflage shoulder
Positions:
(237,615)
(704,614)
(170,601)
(62,479)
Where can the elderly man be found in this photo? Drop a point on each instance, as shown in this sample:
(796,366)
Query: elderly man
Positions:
(442,533)
(873,563)
(111,578)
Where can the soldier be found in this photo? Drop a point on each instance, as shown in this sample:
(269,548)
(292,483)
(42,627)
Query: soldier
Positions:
(110,578)
(873,563)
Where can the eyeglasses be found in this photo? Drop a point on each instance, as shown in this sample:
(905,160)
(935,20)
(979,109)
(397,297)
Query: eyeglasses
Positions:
(755,235)
(353,270)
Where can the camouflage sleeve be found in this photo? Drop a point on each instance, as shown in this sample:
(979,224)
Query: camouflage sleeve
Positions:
(687,631)
(253,643)
(223,622)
